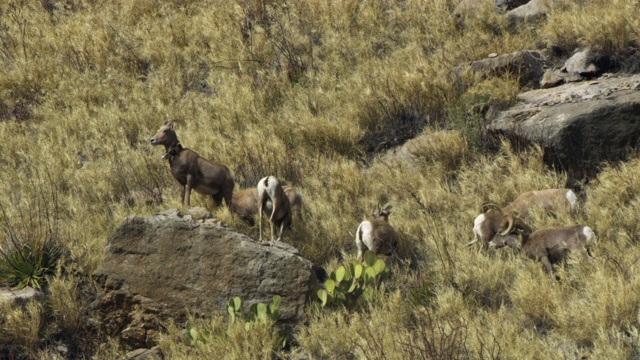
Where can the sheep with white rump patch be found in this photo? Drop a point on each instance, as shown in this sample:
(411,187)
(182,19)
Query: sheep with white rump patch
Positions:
(376,234)
(245,203)
(485,225)
(272,196)
(550,245)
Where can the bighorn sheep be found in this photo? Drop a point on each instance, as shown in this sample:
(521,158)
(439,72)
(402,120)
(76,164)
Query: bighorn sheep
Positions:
(245,203)
(376,234)
(272,196)
(485,225)
(550,245)
(193,171)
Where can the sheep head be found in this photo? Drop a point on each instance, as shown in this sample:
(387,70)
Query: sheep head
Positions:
(383,212)
(510,233)
(166,135)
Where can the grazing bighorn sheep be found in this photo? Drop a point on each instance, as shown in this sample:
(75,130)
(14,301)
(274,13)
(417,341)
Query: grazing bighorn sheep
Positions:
(245,203)
(550,245)
(376,234)
(485,225)
(193,171)
(272,196)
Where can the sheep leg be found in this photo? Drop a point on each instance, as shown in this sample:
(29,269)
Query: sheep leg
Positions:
(188,190)
(260,222)
(547,264)
(281,229)
(359,245)
(217,199)
(276,207)
(360,250)
(227,197)
(273,231)
(182,195)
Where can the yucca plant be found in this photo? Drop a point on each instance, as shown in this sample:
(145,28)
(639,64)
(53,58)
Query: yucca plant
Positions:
(31,248)
(27,263)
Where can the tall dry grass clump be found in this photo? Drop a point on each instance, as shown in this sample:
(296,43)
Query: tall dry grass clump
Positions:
(312,92)
(606,26)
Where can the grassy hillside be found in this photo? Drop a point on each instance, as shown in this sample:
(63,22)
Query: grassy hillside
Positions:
(309,91)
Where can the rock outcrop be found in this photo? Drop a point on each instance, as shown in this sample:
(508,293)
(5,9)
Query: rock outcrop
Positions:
(588,63)
(20,296)
(527,65)
(578,124)
(534,10)
(163,266)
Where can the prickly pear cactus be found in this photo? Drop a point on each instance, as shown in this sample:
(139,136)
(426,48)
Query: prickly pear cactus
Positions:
(351,280)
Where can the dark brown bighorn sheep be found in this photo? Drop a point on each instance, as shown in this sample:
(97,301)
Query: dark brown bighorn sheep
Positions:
(376,234)
(272,196)
(193,171)
(245,203)
(550,245)
(485,225)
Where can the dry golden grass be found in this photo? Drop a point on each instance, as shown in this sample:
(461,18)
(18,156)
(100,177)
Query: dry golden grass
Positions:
(306,90)
(607,26)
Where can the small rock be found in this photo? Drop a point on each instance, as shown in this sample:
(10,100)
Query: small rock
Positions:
(199,213)
(155,353)
(20,296)
(172,213)
(550,79)
(492,55)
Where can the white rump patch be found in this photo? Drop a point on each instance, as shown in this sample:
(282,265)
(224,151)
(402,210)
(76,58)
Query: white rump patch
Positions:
(573,200)
(267,190)
(589,235)
(477,223)
(366,229)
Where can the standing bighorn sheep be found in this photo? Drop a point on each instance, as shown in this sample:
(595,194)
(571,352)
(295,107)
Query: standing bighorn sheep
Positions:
(550,245)
(272,196)
(193,171)
(485,225)
(376,234)
(245,203)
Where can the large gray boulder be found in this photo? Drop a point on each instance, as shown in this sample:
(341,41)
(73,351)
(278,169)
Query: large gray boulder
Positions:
(532,11)
(579,124)
(163,266)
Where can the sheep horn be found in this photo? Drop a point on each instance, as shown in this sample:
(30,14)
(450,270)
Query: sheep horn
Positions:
(388,206)
(486,207)
(508,219)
